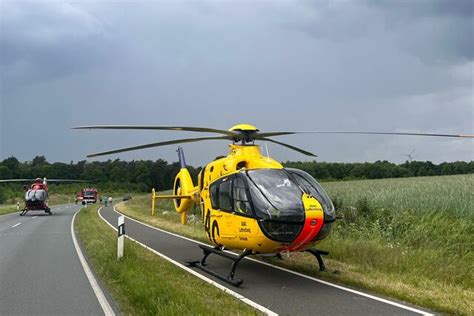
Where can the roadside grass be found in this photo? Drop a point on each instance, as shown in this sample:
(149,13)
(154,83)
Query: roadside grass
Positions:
(410,238)
(55,199)
(7,208)
(143,283)
(167,218)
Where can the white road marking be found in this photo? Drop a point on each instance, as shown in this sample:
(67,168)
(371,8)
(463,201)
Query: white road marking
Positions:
(16,225)
(376,298)
(193,272)
(93,282)
(16,212)
(34,217)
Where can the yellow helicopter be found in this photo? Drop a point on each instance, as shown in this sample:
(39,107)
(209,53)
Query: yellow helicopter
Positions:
(248,201)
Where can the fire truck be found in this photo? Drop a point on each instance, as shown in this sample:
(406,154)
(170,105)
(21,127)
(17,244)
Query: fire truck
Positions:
(89,195)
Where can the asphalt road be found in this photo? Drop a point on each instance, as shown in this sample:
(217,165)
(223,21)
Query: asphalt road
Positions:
(40,272)
(280,291)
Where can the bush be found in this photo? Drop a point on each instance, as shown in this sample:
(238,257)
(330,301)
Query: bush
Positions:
(3,197)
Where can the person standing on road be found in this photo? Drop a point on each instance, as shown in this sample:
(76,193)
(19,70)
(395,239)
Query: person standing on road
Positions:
(110,200)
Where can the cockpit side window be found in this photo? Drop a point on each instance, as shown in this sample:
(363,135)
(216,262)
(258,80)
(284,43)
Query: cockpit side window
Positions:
(221,198)
(225,198)
(239,194)
(230,194)
(215,195)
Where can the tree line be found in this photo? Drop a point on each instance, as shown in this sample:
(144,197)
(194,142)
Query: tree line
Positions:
(139,175)
(142,175)
(107,176)
(330,171)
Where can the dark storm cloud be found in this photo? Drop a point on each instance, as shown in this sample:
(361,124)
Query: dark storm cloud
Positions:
(439,29)
(325,65)
(433,31)
(456,8)
(46,40)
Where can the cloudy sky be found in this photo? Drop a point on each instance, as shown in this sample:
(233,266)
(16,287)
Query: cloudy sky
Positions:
(280,65)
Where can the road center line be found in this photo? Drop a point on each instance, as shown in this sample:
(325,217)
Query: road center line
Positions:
(16,225)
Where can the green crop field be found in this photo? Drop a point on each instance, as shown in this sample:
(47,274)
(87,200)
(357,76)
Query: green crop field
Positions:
(417,233)
(408,238)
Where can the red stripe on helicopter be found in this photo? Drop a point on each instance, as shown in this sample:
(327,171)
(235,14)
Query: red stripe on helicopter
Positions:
(311,228)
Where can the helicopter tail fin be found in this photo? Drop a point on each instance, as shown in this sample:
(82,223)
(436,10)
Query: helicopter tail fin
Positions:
(184,191)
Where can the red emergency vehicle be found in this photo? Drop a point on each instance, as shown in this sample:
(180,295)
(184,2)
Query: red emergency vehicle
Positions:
(89,195)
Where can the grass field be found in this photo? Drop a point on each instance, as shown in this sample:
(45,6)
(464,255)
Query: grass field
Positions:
(7,208)
(408,238)
(143,283)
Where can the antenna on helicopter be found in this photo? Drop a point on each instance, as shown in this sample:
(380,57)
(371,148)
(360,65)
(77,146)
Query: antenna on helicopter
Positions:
(268,154)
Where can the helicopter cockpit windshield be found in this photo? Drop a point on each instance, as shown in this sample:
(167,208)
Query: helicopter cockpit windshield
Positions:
(277,203)
(275,195)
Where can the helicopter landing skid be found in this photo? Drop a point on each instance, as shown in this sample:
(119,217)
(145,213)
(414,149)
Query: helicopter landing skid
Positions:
(218,251)
(318,254)
(25,210)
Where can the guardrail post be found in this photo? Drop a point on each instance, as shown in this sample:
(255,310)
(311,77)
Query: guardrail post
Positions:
(120,236)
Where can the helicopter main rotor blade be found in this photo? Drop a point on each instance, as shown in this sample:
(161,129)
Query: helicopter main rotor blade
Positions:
(49,180)
(17,180)
(163,128)
(65,180)
(270,134)
(165,143)
(363,133)
(304,152)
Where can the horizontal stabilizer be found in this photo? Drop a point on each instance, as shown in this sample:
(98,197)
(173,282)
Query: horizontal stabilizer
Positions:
(172,197)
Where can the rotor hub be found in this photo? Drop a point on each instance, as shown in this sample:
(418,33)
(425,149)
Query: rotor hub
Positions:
(246,133)
(243,127)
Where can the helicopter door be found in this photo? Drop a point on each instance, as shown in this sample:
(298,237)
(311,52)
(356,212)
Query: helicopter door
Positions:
(226,224)
(242,209)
